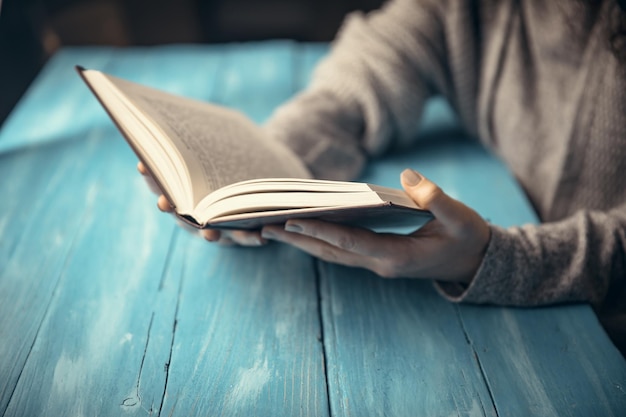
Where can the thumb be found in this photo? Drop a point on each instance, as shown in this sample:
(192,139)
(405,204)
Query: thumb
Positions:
(429,196)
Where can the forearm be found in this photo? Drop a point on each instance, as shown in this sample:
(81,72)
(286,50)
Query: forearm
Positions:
(368,94)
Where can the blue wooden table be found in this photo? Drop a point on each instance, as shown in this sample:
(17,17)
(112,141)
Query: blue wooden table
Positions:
(109,309)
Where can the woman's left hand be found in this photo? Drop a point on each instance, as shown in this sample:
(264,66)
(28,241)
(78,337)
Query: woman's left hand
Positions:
(448,248)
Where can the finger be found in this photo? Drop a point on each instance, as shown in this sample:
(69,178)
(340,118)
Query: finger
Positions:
(225,241)
(246,238)
(352,239)
(429,196)
(318,248)
(142,168)
(230,237)
(164,205)
(211,235)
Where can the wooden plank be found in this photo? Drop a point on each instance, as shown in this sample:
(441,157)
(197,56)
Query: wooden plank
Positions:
(107,307)
(247,333)
(547,361)
(92,349)
(396,348)
(32,177)
(40,212)
(248,322)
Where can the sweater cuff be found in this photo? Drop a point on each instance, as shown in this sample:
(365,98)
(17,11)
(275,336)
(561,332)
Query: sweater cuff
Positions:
(490,280)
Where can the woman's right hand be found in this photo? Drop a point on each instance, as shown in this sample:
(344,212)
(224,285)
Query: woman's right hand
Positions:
(223,237)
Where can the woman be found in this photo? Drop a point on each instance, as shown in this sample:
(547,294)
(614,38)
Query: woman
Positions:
(541,83)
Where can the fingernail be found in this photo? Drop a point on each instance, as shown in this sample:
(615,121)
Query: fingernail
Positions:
(210,236)
(163,204)
(411,177)
(293,227)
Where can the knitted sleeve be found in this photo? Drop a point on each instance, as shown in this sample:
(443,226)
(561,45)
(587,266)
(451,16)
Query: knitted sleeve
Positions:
(581,258)
(369,92)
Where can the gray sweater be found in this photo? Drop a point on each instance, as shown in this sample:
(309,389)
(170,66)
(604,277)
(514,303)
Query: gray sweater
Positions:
(536,82)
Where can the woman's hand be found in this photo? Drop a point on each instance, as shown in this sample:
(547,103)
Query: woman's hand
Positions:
(449,248)
(231,237)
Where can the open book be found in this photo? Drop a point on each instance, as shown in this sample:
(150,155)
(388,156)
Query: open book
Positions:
(219,170)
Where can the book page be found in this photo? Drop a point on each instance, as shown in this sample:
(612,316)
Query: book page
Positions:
(285,185)
(253,204)
(220,146)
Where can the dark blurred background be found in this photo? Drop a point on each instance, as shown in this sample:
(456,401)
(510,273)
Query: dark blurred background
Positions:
(32,30)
